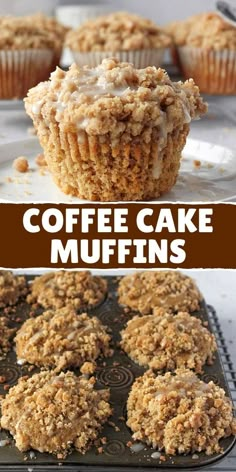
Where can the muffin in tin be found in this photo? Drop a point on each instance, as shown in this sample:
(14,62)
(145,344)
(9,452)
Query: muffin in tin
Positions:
(206,50)
(114,132)
(179,413)
(12,288)
(172,290)
(128,37)
(29,50)
(61,339)
(165,341)
(55,413)
(74,289)
(6,335)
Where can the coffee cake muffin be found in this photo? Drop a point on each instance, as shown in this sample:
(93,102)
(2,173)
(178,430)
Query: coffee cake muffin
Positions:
(167,341)
(61,339)
(77,290)
(12,287)
(6,335)
(206,46)
(128,37)
(28,48)
(54,413)
(113,132)
(172,290)
(179,413)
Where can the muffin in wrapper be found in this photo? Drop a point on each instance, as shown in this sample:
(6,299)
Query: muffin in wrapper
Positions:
(28,51)
(213,71)
(127,37)
(206,51)
(114,132)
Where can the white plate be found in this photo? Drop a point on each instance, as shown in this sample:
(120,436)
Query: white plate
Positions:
(214,180)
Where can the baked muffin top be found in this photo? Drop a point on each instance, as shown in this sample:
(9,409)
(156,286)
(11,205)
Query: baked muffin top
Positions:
(179,413)
(53,413)
(74,289)
(61,339)
(168,341)
(30,32)
(207,30)
(116,98)
(120,31)
(12,287)
(172,290)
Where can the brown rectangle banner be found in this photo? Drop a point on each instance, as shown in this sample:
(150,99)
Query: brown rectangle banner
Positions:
(127,235)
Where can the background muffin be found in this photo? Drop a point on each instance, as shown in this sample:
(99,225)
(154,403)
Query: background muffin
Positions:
(167,341)
(114,132)
(29,47)
(206,47)
(172,290)
(122,35)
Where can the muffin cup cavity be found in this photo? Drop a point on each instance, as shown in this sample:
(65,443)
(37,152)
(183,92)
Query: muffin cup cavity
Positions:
(213,71)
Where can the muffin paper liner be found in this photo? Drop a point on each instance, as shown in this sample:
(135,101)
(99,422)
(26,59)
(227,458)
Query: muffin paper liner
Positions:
(99,169)
(213,71)
(141,58)
(23,69)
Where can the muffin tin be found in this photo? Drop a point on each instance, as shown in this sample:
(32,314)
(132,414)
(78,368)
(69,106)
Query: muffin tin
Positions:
(117,373)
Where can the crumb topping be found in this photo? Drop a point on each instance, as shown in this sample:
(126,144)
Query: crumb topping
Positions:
(25,33)
(53,413)
(116,99)
(21,164)
(179,413)
(6,334)
(167,341)
(77,290)
(12,287)
(61,339)
(207,30)
(171,290)
(120,31)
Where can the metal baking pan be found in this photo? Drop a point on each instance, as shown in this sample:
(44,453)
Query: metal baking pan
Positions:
(117,373)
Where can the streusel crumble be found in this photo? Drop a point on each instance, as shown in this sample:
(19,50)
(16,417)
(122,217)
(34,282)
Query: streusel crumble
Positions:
(77,290)
(61,339)
(54,413)
(114,132)
(167,341)
(12,287)
(119,31)
(171,290)
(179,413)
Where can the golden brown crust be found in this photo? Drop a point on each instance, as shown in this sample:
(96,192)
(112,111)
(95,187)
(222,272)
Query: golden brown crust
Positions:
(61,339)
(171,290)
(77,290)
(180,413)
(119,31)
(114,132)
(207,31)
(53,413)
(12,287)
(167,341)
